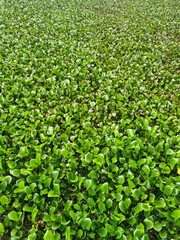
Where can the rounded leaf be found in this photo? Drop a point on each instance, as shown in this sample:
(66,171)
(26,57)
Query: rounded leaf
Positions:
(102,232)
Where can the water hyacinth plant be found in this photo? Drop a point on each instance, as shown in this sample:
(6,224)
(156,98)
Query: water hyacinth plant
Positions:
(89,127)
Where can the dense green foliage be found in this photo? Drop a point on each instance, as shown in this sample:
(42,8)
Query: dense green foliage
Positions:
(89,144)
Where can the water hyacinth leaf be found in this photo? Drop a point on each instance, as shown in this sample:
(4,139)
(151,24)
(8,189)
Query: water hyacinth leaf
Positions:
(88,157)
(99,160)
(176,214)
(131,220)
(49,235)
(68,233)
(50,131)
(170,152)
(105,150)
(172,162)
(4,200)
(102,232)
(130,132)
(118,232)
(86,223)
(105,188)
(91,202)
(138,233)
(159,203)
(57,236)
(64,152)
(67,205)
(94,225)
(138,209)
(109,203)
(168,190)
(32,236)
(72,177)
(109,228)
(47,218)
(1,228)
(157,226)
(23,152)
(73,215)
(145,237)
(122,206)
(15,172)
(64,222)
(163,234)
(79,233)
(89,120)
(14,216)
(102,206)
(148,223)
(121,179)
(87,183)
(8,179)
(3,186)
(27,209)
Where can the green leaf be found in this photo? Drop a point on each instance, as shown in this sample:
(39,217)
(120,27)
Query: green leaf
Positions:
(122,206)
(86,223)
(15,172)
(130,132)
(4,200)
(8,179)
(94,225)
(105,150)
(176,214)
(80,233)
(138,209)
(102,232)
(109,203)
(102,206)
(118,232)
(72,177)
(50,131)
(170,152)
(145,237)
(34,163)
(3,186)
(14,216)
(172,162)
(73,215)
(157,226)
(87,183)
(131,220)
(149,223)
(32,236)
(109,228)
(49,235)
(91,202)
(67,205)
(105,188)
(64,152)
(1,228)
(23,152)
(120,179)
(57,236)
(64,222)
(68,233)
(168,190)
(99,160)
(163,234)
(88,157)
(159,203)
(138,233)
(27,209)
